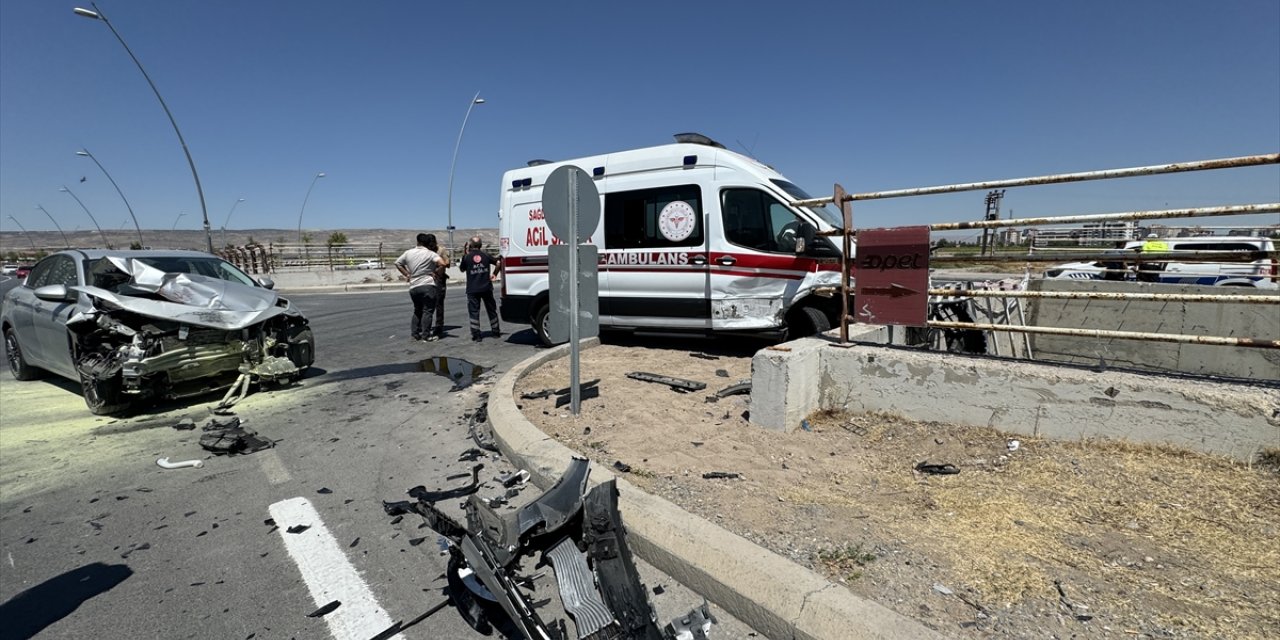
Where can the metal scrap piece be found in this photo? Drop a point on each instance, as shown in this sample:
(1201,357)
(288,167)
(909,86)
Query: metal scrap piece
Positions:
(679,384)
(735,389)
(577,588)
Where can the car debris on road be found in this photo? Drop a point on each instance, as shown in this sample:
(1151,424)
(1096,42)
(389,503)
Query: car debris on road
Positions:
(679,384)
(580,533)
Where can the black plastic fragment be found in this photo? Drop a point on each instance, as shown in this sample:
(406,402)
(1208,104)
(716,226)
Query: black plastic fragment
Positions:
(621,466)
(229,438)
(325,610)
(620,586)
(324,490)
(679,384)
(715,475)
(298,528)
(937,469)
(421,494)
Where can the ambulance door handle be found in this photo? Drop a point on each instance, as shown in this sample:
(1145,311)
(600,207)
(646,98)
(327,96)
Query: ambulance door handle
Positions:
(698,259)
(725,261)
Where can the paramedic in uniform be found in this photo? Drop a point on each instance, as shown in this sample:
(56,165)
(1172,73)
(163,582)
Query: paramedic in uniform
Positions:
(419,266)
(476,264)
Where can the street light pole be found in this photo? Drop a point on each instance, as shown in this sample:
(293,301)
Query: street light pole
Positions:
(304,203)
(175,221)
(24,232)
(55,223)
(105,241)
(85,153)
(474,101)
(97,14)
(228,220)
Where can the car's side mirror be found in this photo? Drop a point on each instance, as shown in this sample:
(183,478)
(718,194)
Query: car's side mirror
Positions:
(55,293)
(267,282)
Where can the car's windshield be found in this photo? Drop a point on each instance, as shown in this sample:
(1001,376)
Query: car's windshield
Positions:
(826,212)
(205,266)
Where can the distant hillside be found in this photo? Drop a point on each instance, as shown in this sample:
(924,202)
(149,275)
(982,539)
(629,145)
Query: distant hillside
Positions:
(16,241)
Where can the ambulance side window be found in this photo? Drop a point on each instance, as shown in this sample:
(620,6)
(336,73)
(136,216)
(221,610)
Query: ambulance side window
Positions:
(634,220)
(755,220)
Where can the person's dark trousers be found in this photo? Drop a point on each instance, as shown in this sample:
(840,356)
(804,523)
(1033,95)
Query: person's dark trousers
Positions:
(441,286)
(490,307)
(424,309)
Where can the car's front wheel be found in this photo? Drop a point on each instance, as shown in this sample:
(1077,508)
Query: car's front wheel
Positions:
(17,363)
(103,397)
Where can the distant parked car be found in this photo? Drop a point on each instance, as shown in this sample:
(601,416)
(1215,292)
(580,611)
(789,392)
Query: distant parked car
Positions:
(371,264)
(8,269)
(1260,273)
(132,325)
(21,271)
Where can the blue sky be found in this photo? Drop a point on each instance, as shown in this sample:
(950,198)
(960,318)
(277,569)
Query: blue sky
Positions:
(871,95)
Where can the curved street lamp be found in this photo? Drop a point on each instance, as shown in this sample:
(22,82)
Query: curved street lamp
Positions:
(85,153)
(228,220)
(55,223)
(24,232)
(97,14)
(105,241)
(304,204)
(474,101)
(175,221)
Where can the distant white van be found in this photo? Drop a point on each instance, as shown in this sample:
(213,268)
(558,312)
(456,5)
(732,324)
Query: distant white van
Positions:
(692,237)
(1259,273)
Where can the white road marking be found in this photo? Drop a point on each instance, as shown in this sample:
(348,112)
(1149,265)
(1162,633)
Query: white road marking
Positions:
(328,574)
(273,467)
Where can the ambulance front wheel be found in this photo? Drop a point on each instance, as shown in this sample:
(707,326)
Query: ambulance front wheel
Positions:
(542,324)
(807,321)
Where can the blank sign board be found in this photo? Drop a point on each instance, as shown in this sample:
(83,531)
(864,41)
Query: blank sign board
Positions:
(588,292)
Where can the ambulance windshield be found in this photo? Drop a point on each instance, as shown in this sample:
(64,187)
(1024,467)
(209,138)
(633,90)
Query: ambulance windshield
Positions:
(826,211)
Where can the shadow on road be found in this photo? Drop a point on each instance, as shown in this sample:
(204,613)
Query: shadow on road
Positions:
(29,612)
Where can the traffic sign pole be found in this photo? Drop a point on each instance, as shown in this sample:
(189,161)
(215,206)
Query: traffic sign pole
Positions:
(575,394)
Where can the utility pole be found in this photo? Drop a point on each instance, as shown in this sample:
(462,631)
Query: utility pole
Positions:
(993,213)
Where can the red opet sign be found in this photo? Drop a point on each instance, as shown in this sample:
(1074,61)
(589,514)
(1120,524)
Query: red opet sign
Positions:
(892,276)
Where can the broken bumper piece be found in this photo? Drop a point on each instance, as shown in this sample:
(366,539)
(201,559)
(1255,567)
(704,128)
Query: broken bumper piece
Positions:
(581,534)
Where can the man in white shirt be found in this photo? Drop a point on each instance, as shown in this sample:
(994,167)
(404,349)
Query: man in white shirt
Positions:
(418,265)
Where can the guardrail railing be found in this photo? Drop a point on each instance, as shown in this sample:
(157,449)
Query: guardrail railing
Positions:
(1135,262)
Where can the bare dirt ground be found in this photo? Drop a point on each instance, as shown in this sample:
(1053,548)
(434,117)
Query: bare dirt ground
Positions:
(1051,540)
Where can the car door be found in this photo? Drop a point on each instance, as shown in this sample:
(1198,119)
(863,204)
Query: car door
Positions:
(49,318)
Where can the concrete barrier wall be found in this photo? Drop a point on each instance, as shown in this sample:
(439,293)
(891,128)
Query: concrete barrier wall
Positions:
(1019,397)
(1193,318)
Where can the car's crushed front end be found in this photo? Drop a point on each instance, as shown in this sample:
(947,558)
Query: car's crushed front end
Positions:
(150,333)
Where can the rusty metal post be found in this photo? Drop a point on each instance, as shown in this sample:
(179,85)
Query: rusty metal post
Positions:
(846,260)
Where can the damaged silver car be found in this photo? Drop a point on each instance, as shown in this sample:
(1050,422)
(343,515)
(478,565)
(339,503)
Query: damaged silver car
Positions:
(134,325)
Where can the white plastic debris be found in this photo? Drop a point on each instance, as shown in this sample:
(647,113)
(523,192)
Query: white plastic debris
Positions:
(1014,444)
(164,463)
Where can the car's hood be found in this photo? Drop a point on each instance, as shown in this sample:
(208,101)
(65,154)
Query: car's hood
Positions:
(190,298)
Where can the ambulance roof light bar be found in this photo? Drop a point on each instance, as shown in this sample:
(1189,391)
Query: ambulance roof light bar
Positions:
(697,138)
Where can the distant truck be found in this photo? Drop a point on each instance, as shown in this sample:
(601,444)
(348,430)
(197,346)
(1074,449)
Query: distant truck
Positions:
(1260,273)
(693,237)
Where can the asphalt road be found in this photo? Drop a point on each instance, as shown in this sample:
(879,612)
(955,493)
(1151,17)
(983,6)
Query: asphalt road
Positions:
(98,541)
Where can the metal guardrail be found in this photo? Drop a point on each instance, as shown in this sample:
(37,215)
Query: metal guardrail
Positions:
(848,233)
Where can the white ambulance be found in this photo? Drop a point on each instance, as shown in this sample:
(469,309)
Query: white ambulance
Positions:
(692,237)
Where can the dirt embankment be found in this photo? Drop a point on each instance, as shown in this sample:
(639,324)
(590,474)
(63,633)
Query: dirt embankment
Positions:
(1038,539)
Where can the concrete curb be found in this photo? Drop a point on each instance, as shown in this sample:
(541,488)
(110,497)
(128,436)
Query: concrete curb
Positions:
(772,594)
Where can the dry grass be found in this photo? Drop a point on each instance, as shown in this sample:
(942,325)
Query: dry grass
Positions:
(1113,509)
